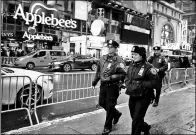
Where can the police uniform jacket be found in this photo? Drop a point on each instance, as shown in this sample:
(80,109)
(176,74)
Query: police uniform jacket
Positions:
(110,70)
(141,79)
(160,63)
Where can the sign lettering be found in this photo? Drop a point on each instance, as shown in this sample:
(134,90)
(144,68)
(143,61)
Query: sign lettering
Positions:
(7,34)
(49,20)
(37,37)
(129,18)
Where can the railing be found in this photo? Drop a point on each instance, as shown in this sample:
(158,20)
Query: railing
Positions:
(16,94)
(8,60)
(67,87)
(53,89)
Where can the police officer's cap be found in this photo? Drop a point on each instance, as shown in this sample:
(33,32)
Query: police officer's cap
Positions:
(140,50)
(135,49)
(112,43)
(156,48)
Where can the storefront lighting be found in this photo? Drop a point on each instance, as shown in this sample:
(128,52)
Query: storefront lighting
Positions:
(116,6)
(147,17)
(134,12)
(138,13)
(122,8)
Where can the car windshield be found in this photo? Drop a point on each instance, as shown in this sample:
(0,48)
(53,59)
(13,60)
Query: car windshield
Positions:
(31,53)
(6,70)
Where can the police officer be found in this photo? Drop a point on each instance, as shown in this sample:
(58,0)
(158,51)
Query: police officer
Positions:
(111,72)
(161,66)
(140,81)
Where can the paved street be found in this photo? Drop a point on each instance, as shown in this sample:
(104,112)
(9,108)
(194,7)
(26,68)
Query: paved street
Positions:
(175,114)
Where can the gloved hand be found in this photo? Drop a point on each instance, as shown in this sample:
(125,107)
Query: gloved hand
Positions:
(106,79)
(157,70)
(113,77)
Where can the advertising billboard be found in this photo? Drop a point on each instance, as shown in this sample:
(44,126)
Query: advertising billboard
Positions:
(137,5)
(81,10)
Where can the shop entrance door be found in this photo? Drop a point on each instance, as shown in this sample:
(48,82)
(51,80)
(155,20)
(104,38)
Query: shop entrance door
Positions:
(98,53)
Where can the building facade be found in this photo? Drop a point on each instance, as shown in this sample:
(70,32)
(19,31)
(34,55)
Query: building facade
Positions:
(168,28)
(189,8)
(56,24)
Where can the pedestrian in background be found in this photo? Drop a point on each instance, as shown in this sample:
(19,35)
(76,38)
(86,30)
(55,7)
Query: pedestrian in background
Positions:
(158,61)
(140,81)
(111,71)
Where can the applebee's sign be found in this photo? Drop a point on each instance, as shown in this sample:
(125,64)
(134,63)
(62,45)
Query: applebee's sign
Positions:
(41,13)
(37,37)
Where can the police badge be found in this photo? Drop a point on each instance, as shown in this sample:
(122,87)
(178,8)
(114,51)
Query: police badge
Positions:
(141,71)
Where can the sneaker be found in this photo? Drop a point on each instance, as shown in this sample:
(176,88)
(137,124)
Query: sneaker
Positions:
(116,119)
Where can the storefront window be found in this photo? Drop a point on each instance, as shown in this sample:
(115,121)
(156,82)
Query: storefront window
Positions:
(10,19)
(167,35)
(11,8)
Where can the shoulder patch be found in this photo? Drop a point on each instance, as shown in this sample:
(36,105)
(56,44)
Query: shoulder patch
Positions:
(122,65)
(153,71)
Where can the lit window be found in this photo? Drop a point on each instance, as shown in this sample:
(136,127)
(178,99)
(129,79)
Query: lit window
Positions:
(167,35)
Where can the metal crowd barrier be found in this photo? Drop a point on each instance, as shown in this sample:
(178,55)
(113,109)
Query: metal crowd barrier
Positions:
(16,94)
(67,87)
(8,60)
(51,89)
(165,82)
(190,75)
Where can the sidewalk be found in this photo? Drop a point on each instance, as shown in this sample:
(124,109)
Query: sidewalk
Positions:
(174,115)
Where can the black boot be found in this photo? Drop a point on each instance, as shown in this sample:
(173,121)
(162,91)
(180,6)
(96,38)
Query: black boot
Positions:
(106,131)
(116,118)
(155,104)
(147,131)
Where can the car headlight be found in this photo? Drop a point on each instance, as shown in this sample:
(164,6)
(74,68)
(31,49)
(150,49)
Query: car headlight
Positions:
(57,63)
(20,59)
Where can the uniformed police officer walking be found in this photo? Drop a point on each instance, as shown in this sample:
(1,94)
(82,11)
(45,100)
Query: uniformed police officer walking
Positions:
(111,72)
(140,81)
(161,66)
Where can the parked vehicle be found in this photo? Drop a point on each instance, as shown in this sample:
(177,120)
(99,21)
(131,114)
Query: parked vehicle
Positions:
(74,62)
(39,58)
(178,61)
(16,89)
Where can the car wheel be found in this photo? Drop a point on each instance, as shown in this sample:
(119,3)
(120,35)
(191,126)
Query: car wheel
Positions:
(67,67)
(23,96)
(30,65)
(94,67)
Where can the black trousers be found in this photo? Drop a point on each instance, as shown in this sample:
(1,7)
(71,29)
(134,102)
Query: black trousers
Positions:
(108,99)
(138,108)
(158,90)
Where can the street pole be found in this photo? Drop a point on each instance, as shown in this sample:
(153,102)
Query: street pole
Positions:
(86,27)
(1,24)
(86,23)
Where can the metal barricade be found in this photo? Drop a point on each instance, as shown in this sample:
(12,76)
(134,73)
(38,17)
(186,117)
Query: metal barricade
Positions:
(8,60)
(16,94)
(165,82)
(64,87)
(177,75)
(190,75)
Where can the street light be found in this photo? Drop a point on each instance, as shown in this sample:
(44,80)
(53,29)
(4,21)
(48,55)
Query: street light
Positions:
(86,22)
